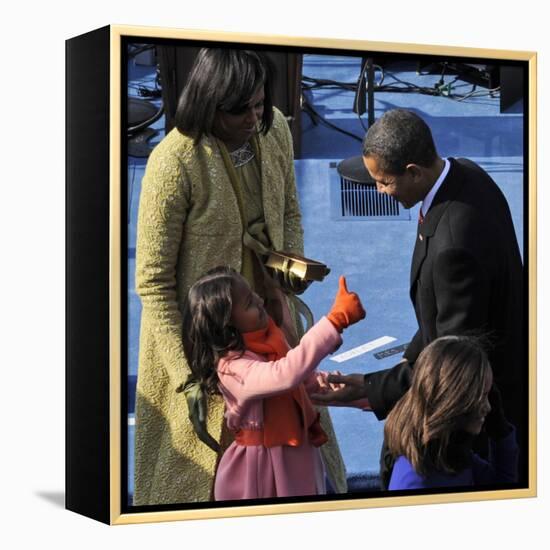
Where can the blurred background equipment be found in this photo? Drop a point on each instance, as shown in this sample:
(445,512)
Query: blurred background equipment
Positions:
(142,112)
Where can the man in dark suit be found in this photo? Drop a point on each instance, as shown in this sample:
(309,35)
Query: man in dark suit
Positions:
(466,272)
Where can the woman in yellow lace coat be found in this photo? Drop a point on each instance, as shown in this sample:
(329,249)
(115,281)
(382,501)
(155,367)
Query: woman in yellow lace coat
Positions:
(226,168)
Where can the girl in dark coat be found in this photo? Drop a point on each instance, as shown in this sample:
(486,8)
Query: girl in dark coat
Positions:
(431,429)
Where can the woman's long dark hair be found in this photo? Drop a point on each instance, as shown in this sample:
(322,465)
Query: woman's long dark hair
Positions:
(223,80)
(448,384)
(207,332)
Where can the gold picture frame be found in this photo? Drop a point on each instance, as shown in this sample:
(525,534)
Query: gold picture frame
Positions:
(95,255)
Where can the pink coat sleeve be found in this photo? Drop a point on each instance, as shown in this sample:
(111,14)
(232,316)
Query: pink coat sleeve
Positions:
(247,377)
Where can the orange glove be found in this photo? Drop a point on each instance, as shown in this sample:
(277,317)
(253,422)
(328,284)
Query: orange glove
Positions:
(347,308)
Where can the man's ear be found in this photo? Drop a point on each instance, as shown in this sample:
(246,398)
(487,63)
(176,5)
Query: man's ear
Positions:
(415,170)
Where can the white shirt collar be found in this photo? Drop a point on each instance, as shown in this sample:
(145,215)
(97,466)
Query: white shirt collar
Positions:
(427,202)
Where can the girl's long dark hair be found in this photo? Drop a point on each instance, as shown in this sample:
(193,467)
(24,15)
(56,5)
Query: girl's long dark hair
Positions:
(448,384)
(207,332)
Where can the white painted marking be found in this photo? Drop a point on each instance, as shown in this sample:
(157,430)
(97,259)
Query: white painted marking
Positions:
(369,346)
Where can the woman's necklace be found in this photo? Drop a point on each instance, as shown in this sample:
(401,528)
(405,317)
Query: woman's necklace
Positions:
(242,155)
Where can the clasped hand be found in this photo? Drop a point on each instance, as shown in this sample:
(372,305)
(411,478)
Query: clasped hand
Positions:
(345,390)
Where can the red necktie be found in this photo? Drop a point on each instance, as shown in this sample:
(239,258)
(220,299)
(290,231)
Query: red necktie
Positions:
(420,217)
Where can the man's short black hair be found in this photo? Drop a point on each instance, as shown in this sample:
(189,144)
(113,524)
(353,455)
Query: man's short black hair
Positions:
(223,80)
(398,138)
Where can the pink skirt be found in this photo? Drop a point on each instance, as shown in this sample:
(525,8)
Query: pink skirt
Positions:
(260,472)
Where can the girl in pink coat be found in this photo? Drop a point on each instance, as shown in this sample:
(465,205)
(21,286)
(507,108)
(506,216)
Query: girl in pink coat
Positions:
(234,348)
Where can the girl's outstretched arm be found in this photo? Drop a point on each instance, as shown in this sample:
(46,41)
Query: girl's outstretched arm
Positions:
(248,378)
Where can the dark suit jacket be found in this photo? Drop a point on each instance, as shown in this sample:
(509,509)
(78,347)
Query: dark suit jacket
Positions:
(466,277)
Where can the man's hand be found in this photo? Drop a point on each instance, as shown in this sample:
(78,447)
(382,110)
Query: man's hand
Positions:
(352,389)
